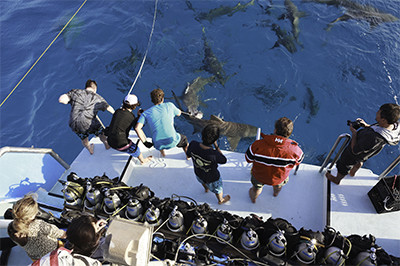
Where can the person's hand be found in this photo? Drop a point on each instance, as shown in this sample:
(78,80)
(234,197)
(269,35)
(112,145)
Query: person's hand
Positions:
(353,130)
(148,144)
(100,224)
(362,122)
(216,145)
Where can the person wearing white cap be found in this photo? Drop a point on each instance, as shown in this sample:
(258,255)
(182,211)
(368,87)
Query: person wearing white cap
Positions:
(122,122)
(83,119)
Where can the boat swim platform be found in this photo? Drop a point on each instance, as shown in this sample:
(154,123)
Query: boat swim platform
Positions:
(303,202)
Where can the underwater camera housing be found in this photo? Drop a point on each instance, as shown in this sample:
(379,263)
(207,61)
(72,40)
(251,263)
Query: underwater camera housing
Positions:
(355,124)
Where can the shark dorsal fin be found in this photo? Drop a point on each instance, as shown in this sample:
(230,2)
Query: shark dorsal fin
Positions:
(216,118)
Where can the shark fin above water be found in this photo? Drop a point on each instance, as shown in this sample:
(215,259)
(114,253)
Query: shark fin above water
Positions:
(233,142)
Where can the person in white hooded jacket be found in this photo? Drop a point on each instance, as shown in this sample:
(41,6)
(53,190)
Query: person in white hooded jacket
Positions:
(368,141)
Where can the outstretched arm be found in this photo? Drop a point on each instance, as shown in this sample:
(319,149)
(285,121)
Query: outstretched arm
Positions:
(110,109)
(64,99)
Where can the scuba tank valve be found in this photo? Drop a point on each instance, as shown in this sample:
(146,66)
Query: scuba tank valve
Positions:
(175,221)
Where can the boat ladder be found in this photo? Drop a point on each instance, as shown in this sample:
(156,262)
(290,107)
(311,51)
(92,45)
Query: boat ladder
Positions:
(346,138)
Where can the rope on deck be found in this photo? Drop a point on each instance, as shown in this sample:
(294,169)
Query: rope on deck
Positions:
(84,2)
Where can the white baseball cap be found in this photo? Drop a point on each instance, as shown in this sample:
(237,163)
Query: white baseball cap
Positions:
(131,99)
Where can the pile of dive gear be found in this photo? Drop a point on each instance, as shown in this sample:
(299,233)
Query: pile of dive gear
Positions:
(192,234)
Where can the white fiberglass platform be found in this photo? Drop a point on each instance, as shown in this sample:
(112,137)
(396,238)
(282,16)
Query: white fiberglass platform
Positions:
(352,212)
(302,201)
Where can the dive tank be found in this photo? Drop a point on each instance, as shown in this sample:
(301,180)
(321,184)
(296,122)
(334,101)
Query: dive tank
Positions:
(93,196)
(111,201)
(277,243)
(306,251)
(134,209)
(175,221)
(249,240)
(334,256)
(152,216)
(73,193)
(199,226)
(224,232)
(366,258)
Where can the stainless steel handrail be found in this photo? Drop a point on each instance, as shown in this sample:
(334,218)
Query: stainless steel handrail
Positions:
(6,149)
(390,167)
(347,138)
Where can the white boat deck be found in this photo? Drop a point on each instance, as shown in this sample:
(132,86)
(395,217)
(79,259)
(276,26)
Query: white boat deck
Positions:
(352,212)
(303,201)
(174,175)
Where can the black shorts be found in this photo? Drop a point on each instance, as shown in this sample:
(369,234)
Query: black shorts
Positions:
(97,132)
(183,142)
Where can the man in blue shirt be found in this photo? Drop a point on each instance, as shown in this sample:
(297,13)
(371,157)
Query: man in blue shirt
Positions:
(160,117)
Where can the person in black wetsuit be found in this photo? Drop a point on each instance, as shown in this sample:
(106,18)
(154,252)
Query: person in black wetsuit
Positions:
(368,141)
(122,122)
(205,161)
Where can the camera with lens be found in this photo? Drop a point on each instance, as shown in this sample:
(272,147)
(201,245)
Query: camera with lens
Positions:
(355,124)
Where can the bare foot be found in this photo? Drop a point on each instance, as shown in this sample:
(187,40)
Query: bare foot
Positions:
(147,159)
(162,153)
(205,188)
(354,169)
(332,178)
(224,200)
(276,191)
(252,195)
(91,149)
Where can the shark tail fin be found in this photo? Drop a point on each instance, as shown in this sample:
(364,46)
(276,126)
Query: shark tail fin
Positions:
(302,14)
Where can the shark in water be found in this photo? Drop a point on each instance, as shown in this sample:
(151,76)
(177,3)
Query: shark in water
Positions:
(223,10)
(284,38)
(234,132)
(294,15)
(191,94)
(211,63)
(358,12)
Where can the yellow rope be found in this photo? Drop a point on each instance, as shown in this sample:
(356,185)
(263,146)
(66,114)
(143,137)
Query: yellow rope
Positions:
(43,53)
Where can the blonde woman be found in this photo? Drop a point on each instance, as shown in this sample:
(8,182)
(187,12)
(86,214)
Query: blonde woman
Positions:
(35,236)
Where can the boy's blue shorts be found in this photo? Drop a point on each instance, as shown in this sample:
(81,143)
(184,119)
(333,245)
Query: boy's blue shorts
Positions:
(215,187)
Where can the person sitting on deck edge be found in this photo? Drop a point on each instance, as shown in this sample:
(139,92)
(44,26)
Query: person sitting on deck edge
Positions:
(368,141)
(122,122)
(273,157)
(160,117)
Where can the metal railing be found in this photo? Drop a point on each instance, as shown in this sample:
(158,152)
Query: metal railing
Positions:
(346,138)
(390,167)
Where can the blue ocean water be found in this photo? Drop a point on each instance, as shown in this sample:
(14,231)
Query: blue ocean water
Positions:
(336,75)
